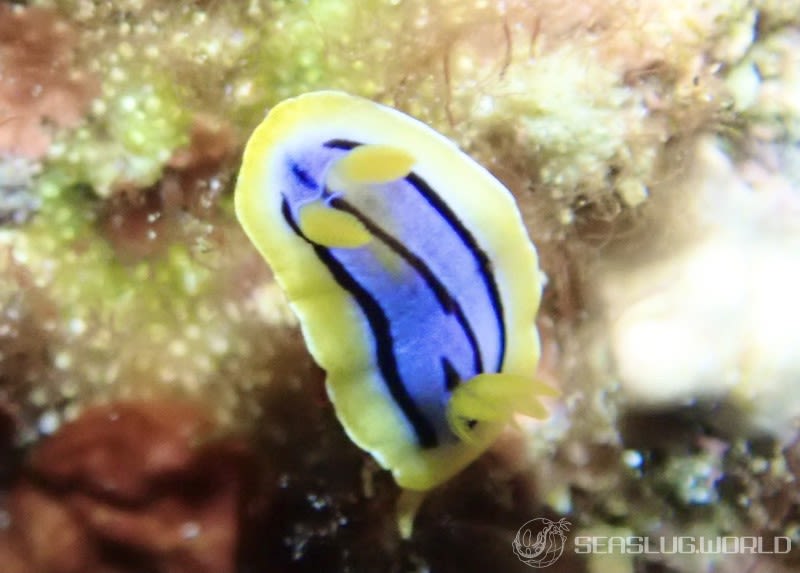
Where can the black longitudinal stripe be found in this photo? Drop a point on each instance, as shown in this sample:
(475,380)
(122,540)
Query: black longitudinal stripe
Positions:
(482,260)
(304,178)
(484,265)
(341,144)
(379,324)
(451,375)
(446,300)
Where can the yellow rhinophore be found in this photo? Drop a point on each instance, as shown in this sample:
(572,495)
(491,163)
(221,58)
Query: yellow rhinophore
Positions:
(373,164)
(331,227)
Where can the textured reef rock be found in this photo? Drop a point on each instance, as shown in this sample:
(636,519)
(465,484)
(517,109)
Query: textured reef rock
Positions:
(652,147)
(8,452)
(42,88)
(128,487)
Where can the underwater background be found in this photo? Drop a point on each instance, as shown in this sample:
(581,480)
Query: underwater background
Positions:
(159,411)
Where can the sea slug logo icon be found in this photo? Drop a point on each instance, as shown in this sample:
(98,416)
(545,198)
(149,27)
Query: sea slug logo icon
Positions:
(540,542)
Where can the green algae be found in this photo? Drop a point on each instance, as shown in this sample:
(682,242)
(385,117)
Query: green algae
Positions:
(135,129)
(126,328)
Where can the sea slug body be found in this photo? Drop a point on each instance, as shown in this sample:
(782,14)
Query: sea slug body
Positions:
(411,273)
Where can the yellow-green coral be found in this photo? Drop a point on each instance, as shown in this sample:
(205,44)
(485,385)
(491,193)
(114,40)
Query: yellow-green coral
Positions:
(168,323)
(775,111)
(136,126)
(774,14)
(574,118)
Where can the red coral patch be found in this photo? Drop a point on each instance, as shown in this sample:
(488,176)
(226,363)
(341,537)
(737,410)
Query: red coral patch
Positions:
(129,487)
(40,86)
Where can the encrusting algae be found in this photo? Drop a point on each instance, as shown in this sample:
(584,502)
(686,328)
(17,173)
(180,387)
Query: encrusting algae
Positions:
(126,279)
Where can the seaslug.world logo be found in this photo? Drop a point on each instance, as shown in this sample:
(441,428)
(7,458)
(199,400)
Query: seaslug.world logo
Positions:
(540,542)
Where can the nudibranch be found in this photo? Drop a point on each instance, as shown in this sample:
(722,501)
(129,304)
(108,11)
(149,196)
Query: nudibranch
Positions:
(411,273)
